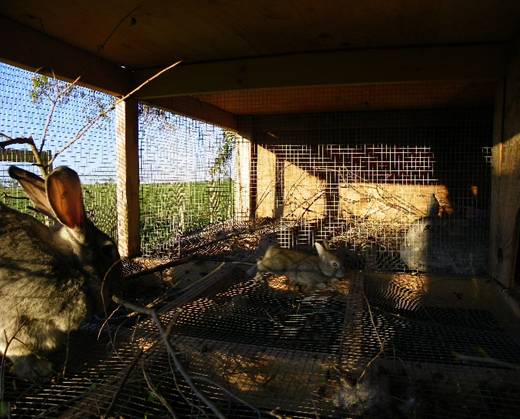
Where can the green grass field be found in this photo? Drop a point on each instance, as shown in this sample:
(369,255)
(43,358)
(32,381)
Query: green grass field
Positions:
(167,209)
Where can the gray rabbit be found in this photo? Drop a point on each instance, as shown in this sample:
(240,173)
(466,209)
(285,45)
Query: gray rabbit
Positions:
(446,245)
(308,271)
(52,279)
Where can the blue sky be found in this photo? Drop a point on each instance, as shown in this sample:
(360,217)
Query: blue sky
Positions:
(172,148)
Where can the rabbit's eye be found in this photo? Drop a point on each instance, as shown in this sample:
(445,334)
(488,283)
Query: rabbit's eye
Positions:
(335,264)
(108,250)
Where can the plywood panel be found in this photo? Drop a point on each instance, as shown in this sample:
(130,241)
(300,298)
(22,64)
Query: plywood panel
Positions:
(243,185)
(402,204)
(506,177)
(266,183)
(426,95)
(146,34)
(303,194)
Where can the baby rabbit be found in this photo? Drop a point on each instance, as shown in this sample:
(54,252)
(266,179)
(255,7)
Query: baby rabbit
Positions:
(308,271)
(52,279)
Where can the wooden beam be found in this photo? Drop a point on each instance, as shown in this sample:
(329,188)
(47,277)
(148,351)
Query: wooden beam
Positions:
(23,156)
(336,127)
(188,106)
(30,49)
(127,178)
(389,65)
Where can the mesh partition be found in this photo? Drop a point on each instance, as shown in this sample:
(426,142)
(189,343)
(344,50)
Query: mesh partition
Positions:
(401,190)
(430,347)
(188,168)
(188,173)
(383,183)
(56,112)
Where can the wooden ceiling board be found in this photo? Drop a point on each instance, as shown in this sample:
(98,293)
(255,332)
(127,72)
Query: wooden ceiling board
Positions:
(154,33)
(435,94)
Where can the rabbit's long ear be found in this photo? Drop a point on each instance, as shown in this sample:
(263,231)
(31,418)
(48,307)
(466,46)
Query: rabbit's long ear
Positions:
(322,251)
(65,197)
(34,187)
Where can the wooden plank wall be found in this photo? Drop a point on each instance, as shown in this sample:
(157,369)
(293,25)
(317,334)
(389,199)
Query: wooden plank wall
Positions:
(505,211)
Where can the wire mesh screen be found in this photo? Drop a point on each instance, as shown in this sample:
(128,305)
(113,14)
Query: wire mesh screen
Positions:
(67,122)
(188,175)
(399,187)
(429,348)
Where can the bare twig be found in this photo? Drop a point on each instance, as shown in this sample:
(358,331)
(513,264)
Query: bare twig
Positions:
(160,267)
(67,354)
(486,360)
(54,103)
(181,261)
(124,379)
(28,141)
(101,114)
(156,393)
(174,376)
(381,341)
(4,358)
(107,319)
(179,367)
(18,140)
(229,393)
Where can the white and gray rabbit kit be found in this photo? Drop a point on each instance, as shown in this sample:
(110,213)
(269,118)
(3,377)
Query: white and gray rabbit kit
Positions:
(308,271)
(52,279)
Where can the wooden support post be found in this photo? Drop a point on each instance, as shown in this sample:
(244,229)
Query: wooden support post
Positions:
(243,167)
(127,178)
(253,180)
(505,187)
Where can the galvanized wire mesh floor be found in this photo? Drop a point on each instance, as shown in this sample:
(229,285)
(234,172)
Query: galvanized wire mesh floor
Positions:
(435,348)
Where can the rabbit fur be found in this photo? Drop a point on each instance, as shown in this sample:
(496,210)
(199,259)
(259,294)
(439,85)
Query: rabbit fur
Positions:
(52,279)
(446,245)
(306,270)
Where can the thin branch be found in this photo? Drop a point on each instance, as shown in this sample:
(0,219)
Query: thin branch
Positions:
(105,322)
(229,393)
(67,353)
(55,102)
(154,391)
(144,83)
(11,141)
(171,352)
(30,142)
(4,357)
(174,376)
(160,267)
(381,341)
(124,379)
(93,121)
(486,360)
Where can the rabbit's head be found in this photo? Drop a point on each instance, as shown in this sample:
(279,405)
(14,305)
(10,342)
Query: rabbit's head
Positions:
(330,264)
(74,235)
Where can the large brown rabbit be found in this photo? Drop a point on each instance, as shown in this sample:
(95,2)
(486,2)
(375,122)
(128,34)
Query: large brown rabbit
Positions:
(52,279)
(308,271)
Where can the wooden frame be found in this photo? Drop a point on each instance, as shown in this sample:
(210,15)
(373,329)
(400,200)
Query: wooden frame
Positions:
(36,51)
(127,178)
(474,62)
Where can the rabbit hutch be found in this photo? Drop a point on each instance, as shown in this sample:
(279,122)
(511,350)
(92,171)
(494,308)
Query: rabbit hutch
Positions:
(387,131)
